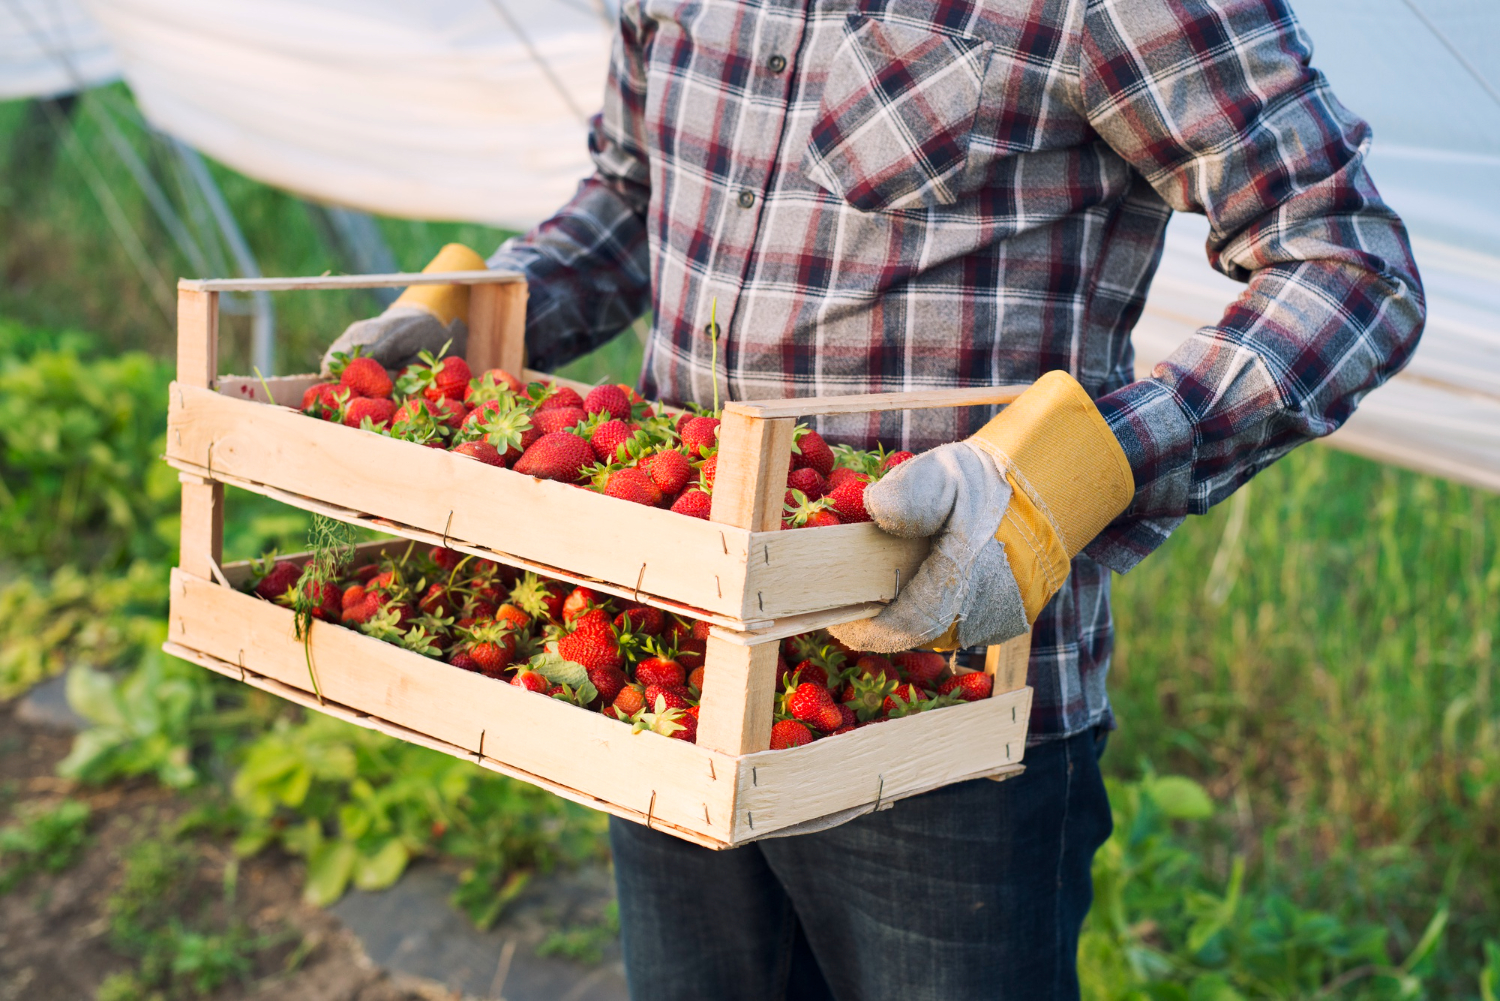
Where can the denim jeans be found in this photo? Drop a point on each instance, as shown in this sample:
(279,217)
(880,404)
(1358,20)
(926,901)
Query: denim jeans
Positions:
(977,890)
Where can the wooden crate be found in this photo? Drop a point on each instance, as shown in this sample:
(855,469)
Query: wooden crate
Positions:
(756,585)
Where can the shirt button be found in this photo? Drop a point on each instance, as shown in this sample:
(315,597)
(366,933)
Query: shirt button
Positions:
(747,199)
(776,64)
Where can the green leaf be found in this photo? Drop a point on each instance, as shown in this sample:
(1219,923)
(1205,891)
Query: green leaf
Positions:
(1213,987)
(381,868)
(328,871)
(93,696)
(559,671)
(1489,977)
(1179,797)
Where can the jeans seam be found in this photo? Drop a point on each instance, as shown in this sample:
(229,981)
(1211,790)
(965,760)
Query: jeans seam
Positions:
(1062,853)
(788,945)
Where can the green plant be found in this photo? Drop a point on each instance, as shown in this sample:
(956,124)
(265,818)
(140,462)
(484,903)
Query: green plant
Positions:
(584,943)
(45,840)
(358,806)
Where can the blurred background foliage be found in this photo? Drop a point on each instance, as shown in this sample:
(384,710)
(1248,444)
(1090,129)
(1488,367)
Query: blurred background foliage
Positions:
(1306,781)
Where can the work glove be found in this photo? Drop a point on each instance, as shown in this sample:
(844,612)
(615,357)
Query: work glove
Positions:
(423,318)
(1007,510)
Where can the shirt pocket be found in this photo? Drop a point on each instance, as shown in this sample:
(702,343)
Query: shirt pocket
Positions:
(896,115)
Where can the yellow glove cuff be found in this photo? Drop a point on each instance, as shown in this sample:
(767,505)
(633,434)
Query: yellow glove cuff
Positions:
(446,302)
(1069,479)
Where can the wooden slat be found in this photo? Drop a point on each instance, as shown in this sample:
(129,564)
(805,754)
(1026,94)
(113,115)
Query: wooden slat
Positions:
(348,281)
(739,686)
(197,337)
(922,399)
(684,785)
(629,545)
(750,481)
(202,531)
(497,327)
(286,390)
(1006,663)
(878,764)
(813,569)
(749,633)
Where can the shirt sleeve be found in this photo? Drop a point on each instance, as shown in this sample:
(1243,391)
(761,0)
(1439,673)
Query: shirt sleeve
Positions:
(588,265)
(1216,104)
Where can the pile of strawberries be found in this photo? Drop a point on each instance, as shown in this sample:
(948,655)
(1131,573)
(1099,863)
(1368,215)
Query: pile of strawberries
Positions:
(611,440)
(633,662)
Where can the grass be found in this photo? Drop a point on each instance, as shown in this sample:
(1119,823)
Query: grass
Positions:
(1319,651)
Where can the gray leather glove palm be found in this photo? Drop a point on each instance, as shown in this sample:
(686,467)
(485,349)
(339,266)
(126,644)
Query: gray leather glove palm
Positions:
(396,337)
(957,495)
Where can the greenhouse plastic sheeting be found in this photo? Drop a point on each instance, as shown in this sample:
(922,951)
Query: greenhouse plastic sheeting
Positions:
(50,47)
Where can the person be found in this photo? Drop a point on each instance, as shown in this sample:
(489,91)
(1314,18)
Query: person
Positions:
(908,194)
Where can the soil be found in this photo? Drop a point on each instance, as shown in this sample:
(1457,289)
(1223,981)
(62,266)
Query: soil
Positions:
(55,939)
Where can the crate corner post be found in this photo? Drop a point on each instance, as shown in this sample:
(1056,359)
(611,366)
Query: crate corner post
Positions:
(201,539)
(497,327)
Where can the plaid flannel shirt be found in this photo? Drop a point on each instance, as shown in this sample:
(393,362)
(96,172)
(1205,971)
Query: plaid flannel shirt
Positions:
(904,194)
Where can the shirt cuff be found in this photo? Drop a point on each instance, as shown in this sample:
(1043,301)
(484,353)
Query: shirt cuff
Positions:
(1160,442)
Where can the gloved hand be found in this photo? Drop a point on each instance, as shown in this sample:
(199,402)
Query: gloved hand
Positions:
(1007,511)
(423,318)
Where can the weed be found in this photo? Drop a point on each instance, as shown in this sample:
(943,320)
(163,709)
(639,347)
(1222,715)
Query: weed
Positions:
(46,840)
(584,943)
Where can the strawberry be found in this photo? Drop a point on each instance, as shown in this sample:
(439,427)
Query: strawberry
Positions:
(669,469)
(811,451)
(491,385)
(312,397)
(694,504)
(354,594)
(578,601)
(695,680)
(804,513)
(701,629)
(450,380)
(329,598)
(674,698)
(607,438)
(970,686)
(366,377)
(706,473)
(531,681)
(356,613)
(608,681)
(688,722)
(840,476)
(512,616)
(661,671)
(642,619)
(632,484)
(278,580)
(462,659)
(807,702)
(893,460)
(902,697)
(875,666)
(450,413)
(558,419)
(630,700)
(481,450)
(849,718)
(446,559)
(611,399)
(436,600)
(492,646)
(560,396)
(789,733)
(661,717)
(592,643)
(849,500)
(921,667)
(866,695)
(504,426)
(807,480)
(700,435)
(556,456)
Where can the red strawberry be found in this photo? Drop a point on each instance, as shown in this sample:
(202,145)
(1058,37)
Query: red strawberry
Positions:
(556,456)
(694,504)
(482,412)
(921,667)
(481,450)
(314,393)
(700,435)
(578,601)
(904,694)
(660,671)
(971,686)
(642,619)
(808,671)
(329,598)
(462,659)
(512,616)
(689,726)
(633,485)
(875,666)
(492,646)
(354,594)
(447,559)
(561,396)
(608,437)
(707,471)
(789,733)
(630,700)
(695,680)
(608,398)
(807,480)
(435,601)
(849,718)
(280,579)
(829,718)
(893,460)
(669,469)
(814,452)
(608,681)
(449,412)
(808,701)
(849,500)
(488,385)
(366,377)
(531,681)
(450,380)
(558,419)
(702,629)
(591,643)
(842,475)
(675,698)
